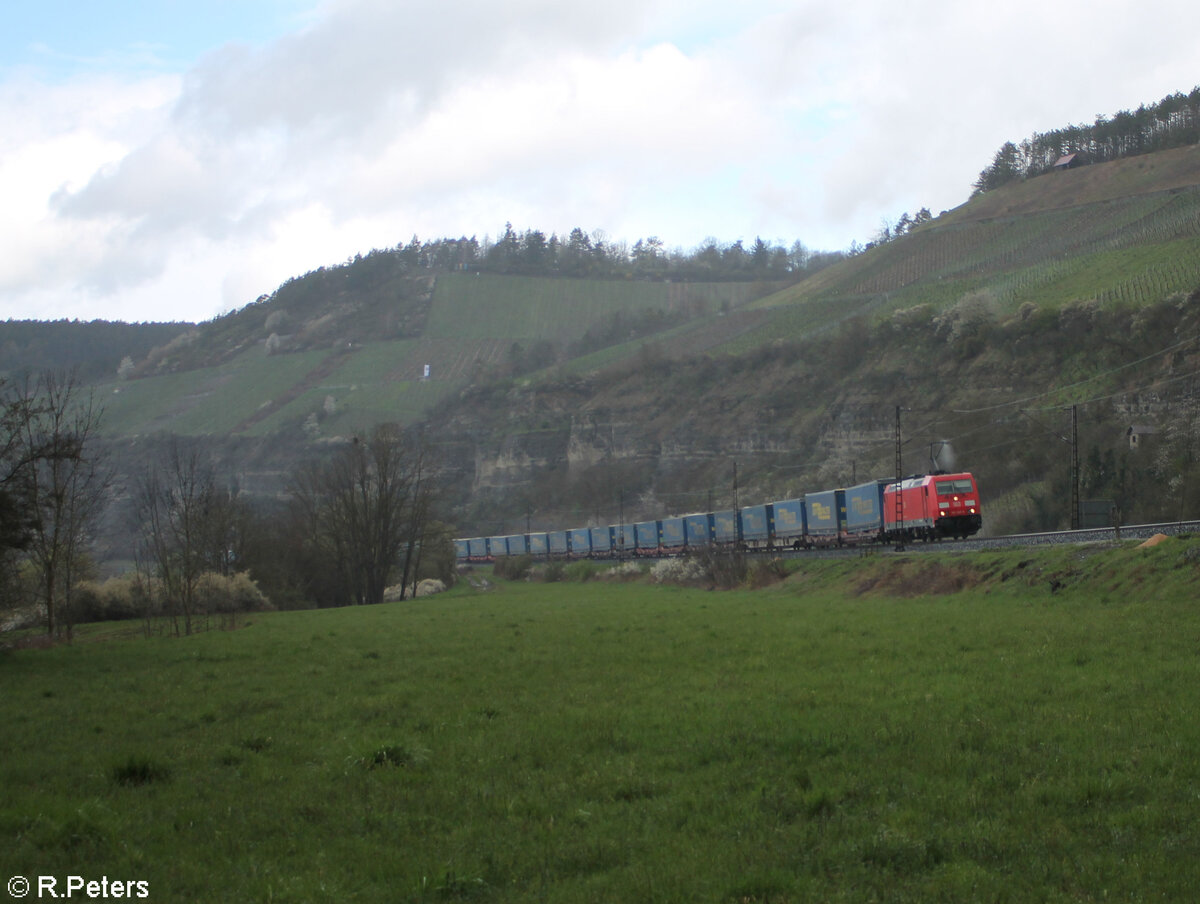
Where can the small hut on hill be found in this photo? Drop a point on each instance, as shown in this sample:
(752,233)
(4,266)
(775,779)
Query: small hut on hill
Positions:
(1069,161)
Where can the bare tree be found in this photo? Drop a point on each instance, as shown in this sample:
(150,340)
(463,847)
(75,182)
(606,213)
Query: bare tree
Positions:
(420,514)
(364,509)
(15,526)
(187,524)
(56,482)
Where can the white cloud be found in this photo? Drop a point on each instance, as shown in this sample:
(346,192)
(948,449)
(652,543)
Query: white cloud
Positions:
(186,195)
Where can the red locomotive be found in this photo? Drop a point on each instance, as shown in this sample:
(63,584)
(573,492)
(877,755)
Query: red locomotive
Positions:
(932,506)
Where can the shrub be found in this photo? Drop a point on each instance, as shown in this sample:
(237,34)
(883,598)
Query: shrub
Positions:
(914,319)
(1077,318)
(218,594)
(516,568)
(967,318)
(626,571)
(727,569)
(687,570)
(765,572)
(114,599)
(580,572)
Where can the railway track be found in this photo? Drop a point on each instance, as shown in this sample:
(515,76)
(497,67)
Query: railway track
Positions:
(1041,538)
(1091,535)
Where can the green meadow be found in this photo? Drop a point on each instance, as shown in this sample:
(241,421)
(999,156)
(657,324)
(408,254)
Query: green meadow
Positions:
(987,727)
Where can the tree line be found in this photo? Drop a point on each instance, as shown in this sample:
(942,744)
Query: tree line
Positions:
(582,255)
(355,525)
(1172,122)
(91,349)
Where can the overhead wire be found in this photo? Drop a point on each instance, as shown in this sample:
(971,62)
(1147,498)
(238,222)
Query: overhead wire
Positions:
(1188,376)
(1094,377)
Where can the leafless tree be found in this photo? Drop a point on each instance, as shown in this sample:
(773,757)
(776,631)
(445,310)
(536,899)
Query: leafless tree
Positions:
(187,524)
(56,482)
(15,526)
(363,513)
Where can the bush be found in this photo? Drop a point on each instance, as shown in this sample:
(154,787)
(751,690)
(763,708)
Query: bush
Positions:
(626,571)
(516,568)
(218,594)
(115,599)
(765,572)
(913,320)
(720,567)
(687,570)
(580,572)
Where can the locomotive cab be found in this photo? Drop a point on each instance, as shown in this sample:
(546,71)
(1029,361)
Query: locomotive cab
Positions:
(957,512)
(932,507)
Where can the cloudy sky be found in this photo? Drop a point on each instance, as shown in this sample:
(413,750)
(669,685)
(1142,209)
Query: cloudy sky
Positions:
(173,159)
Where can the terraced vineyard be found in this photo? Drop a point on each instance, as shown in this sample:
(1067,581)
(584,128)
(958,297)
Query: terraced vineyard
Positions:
(480,307)
(472,326)
(1133,251)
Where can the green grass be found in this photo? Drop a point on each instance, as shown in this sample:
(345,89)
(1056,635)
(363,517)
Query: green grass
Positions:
(1134,251)
(473,323)
(477,307)
(526,308)
(1031,737)
(211,400)
(379,383)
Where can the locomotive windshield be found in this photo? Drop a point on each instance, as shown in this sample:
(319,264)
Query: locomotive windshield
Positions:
(950,487)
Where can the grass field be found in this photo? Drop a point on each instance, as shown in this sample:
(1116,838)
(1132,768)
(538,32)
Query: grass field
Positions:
(212,400)
(1031,736)
(523,308)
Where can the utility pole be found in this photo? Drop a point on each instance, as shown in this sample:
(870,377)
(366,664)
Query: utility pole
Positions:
(1073,442)
(1074,468)
(621,529)
(619,534)
(737,512)
(899,485)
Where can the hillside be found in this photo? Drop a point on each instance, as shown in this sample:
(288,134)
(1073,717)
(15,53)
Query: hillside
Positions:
(561,398)
(95,349)
(958,322)
(277,366)
(1126,232)
(1121,233)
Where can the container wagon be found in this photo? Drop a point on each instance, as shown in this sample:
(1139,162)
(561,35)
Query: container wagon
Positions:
(825,517)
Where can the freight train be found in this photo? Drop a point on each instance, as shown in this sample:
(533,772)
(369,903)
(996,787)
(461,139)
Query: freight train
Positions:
(924,507)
